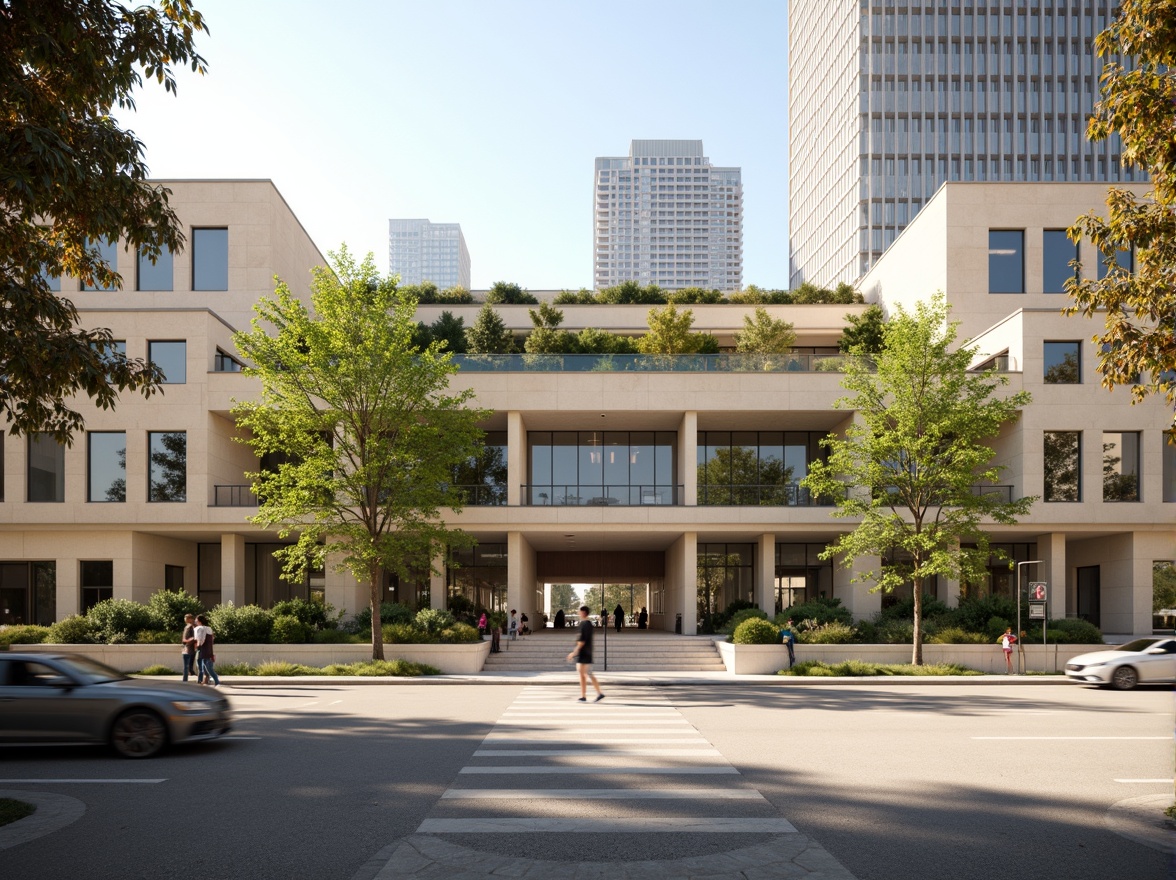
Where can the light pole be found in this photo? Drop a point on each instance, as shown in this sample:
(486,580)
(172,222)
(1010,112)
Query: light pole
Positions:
(1020,647)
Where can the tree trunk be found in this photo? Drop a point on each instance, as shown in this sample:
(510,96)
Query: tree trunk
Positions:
(377,599)
(917,640)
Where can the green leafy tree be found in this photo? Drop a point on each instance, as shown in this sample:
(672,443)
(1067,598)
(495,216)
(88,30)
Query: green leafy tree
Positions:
(547,338)
(564,596)
(507,293)
(758,296)
(370,430)
(632,293)
(583,297)
(425,293)
(489,334)
(593,341)
(69,177)
(912,456)
(863,334)
(456,295)
(1137,306)
(450,331)
(764,339)
(670,333)
(811,293)
(695,296)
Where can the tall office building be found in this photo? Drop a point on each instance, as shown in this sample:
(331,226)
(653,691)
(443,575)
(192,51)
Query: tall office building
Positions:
(422,251)
(887,102)
(666,216)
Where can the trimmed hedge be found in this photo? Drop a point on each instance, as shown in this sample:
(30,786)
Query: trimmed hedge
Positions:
(756,631)
(24,634)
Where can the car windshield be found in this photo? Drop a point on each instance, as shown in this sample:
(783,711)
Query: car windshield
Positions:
(1137,645)
(89,671)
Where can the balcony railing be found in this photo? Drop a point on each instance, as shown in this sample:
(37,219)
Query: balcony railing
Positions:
(1004,493)
(751,495)
(233,496)
(483,495)
(625,495)
(650,363)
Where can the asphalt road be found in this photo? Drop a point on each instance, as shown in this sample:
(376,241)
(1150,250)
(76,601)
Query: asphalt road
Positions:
(894,781)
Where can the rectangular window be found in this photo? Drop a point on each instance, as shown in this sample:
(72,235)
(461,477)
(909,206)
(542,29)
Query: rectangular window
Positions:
(210,259)
(108,251)
(1124,259)
(107,466)
(172,358)
(1057,253)
(1063,465)
(97,579)
(167,469)
(46,470)
(173,578)
(226,363)
(157,275)
(1121,470)
(1063,364)
(1006,261)
(1169,466)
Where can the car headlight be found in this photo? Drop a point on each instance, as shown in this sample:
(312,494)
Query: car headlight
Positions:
(192,705)
(1093,665)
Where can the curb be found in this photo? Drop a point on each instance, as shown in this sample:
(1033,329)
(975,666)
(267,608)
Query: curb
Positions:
(1142,819)
(54,812)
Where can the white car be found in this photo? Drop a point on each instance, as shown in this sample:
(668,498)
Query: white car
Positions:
(1143,661)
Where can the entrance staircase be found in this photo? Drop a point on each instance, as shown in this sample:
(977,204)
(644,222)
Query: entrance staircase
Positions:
(631,650)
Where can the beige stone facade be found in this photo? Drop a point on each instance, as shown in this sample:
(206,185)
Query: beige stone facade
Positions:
(556,511)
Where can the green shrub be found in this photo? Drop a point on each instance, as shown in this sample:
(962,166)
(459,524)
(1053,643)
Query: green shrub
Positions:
(289,630)
(460,634)
(235,669)
(168,607)
(954,635)
(390,612)
(834,633)
(397,668)
(157,669)
(312,614)
(409,634)
(741,615)
(1069,630)
(996,626)
(281,667)
(756,631)
(865,668)
(114,621)
(895,632)
(904,609)
(820,610)
(867,632)
(975,612)
(433,620)
(337,637)
(24,634)
(158,637)
(241,624)
(73,630)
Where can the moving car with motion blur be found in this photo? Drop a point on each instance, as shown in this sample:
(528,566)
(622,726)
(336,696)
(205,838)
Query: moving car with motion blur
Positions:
(65,698)
(1143,661)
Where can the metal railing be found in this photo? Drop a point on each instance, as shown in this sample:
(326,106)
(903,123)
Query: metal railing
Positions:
(1004,493)
(624,495)
(753,495)
(483,495)
(650,363)
(233,496)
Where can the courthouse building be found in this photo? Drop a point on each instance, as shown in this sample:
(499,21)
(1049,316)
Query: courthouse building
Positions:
(680,475)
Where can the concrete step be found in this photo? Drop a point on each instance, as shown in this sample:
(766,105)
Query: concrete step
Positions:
(626,653)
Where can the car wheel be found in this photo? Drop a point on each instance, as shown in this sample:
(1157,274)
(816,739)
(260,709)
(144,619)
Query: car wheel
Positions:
(1124,678)
(138,733)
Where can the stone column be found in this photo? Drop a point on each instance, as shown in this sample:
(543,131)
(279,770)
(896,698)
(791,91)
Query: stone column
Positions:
(516,458)
(437,589)
(857,597)
(689,597)
(1051,550)
(688,459)
(520,574)
(765,575)
(69,588)
(232,568)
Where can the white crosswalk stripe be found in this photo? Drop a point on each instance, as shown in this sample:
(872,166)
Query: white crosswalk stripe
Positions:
(547,732)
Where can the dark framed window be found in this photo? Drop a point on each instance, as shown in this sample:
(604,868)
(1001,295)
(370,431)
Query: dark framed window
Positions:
(482,480)
(173,578)
(1062,464)
(1121,466)
(46,469)
(602,468)
(1168,459)
(108,250)
(725,574)
(1006,261)
(224,362)
(97,577)
(107,476)
(1058,251)
(167,468)
(755,467)
(477,577)
(210,259)
(171,356)
(1062,363)
(28,593)
(156,275)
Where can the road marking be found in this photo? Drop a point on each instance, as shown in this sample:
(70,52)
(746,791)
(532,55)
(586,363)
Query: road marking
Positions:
(82,781)
(1077,737)
(555,731)
(514,740)
(1167,781)
(236,737)
(589,751)
(620,825)
(526,770)
(603,794)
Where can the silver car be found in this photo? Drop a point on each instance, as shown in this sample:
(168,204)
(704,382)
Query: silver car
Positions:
(1143,661)
(57,698)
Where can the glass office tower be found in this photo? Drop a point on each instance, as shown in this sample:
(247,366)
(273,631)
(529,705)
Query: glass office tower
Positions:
(888,101)
(422,251)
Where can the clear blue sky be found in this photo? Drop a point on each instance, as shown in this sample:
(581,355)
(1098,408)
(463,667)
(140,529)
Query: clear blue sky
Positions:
(485,113)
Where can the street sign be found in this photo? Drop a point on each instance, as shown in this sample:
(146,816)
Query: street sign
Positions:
(1037,591)
(1037,611)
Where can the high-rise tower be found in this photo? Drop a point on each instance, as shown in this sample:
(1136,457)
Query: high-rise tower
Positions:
(422,251)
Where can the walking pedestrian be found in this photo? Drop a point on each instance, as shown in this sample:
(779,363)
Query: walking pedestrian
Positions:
(205,646)
(788,637)
(643,618)
(582,654)
(188,640)
(619,615)
(513,628)
(1006,644)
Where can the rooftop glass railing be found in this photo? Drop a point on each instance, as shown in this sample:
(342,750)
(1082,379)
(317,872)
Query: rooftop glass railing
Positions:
(650,363)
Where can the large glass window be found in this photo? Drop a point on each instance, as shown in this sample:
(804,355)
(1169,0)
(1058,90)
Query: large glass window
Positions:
(108,466)
(28,593)
(725,575)
(167,470)
(1169,467)
(210,259)
(1063,365)
(482,480)
(46,472)
(157,275)
(476,579)
(97,582)
(1120,466)
(1057,253)
(602,468)
(1063,465)
(172,358)
(108,250)
(755,467)
(1006,261)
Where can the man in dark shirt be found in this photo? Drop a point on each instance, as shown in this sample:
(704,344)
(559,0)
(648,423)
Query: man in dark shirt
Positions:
(188,639)
(582,654)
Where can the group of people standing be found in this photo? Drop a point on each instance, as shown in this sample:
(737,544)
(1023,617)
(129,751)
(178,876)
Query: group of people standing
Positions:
(199,641)
(641,618)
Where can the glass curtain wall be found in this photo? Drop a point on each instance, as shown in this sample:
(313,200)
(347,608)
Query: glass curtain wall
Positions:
(476,579)
(602,468)
(725,575)
(482,479)
(756,467)
(801,574)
